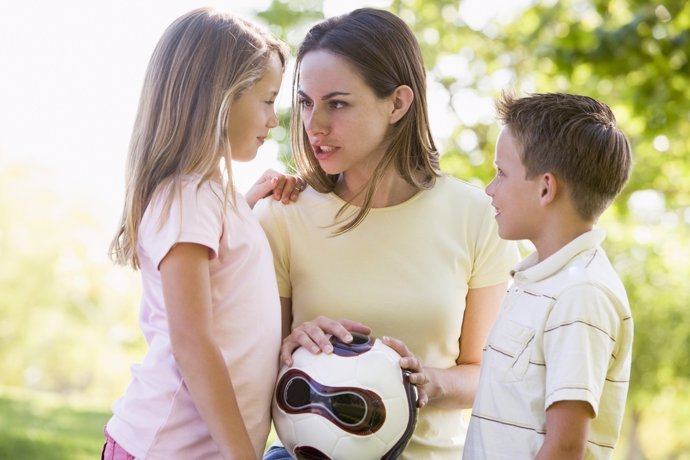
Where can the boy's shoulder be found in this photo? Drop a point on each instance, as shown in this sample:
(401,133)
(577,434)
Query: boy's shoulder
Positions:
(583,265)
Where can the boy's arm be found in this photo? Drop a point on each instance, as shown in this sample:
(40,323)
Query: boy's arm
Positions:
(567,427)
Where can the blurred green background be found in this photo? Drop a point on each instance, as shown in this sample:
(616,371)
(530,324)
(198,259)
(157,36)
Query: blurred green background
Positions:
(68,331)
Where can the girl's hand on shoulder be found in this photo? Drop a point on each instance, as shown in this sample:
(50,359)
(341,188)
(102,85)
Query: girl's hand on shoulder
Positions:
(284,188)
(411,363)
(315,336)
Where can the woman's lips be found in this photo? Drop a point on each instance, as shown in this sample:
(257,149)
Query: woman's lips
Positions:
(323,151)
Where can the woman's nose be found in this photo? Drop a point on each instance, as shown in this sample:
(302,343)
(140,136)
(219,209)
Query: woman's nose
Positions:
(315,123)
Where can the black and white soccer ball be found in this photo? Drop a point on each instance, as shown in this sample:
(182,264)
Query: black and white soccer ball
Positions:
(355,403)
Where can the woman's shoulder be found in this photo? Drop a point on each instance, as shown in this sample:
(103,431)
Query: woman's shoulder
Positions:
(453,188)
(307,199)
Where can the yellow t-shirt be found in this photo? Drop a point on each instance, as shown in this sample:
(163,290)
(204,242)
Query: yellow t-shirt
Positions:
(404,271)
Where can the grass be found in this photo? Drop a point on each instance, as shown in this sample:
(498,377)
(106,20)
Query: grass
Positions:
(40,426)
(49,427)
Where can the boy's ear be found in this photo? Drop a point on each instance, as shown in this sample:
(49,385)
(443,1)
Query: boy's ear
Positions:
(402,100)
(548,188)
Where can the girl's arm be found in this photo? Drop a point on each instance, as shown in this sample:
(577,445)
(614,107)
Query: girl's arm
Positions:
(456,387)
(187,293)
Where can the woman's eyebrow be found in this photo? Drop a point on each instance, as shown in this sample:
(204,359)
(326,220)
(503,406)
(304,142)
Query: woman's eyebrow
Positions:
(325,97)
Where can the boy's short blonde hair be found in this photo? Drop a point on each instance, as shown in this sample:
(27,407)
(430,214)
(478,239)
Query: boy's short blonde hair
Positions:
(576,139)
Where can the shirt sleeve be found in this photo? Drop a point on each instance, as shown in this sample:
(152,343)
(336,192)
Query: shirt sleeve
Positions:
(494,257)
(579,340)
(195,216)
(274,225)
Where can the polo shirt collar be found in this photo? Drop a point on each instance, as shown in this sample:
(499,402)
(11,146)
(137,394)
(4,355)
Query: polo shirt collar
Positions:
(529,271)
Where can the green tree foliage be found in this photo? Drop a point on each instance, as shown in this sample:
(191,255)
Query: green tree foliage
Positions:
(65,312)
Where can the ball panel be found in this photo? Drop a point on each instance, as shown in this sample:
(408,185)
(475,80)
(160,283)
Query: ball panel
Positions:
(332,384)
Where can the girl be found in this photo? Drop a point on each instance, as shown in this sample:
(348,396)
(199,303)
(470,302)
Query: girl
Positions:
(382,237)
(209,309)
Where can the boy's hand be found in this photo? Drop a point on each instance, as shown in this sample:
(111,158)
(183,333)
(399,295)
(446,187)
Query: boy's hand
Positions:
(284,188)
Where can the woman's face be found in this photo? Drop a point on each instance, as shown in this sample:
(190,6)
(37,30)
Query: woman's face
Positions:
(345,121)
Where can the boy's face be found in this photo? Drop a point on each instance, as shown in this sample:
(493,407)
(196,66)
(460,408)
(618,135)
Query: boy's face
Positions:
(515,198)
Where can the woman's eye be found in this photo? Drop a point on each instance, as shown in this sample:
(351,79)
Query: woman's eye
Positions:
(270,102)
(337,104)
(305,103)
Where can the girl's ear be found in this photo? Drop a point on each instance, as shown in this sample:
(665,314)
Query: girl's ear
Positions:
(402,100)
(548,188)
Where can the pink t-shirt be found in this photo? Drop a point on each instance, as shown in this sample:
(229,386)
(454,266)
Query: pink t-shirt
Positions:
(156,418)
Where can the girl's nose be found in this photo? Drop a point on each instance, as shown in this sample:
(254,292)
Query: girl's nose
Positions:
(273,120)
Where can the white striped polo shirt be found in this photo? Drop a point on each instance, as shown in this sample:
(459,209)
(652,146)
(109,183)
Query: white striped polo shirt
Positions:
(564,332)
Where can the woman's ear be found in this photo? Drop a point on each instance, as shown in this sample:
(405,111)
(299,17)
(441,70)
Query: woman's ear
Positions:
(402,100)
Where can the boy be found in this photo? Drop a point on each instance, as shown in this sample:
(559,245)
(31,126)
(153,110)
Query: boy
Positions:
(555,370)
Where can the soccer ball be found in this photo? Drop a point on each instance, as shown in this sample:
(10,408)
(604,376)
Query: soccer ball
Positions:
(355,403)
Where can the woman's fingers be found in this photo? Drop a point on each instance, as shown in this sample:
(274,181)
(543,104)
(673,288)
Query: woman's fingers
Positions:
(410,362)
(315,336)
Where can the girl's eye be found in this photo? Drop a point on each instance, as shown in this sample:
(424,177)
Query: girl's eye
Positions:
(499,172)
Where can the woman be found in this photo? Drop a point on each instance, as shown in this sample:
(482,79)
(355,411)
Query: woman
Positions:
(381,237)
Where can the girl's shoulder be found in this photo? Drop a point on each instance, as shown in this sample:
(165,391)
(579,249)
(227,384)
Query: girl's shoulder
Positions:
(189,192)
(200,188)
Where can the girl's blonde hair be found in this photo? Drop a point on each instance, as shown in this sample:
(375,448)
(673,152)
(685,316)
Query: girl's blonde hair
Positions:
(202,63)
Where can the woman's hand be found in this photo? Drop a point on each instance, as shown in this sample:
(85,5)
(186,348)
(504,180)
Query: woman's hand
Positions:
(314,335)
(411,363)
(283,187)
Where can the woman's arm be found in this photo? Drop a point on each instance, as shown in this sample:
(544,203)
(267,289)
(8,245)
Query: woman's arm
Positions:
(456,387)
(187,293)
(286,315)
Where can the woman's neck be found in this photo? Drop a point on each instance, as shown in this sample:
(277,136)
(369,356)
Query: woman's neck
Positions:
(392,189)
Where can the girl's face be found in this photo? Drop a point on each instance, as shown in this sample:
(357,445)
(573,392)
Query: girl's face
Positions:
(515,198)
(345,121)
(253,114)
